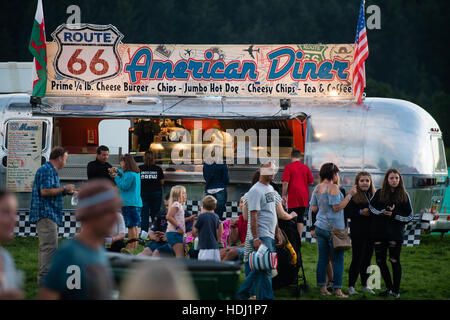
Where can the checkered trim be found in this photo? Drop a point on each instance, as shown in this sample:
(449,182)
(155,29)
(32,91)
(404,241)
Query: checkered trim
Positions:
(412,233)
(231,208)
(24,228)
(70,226)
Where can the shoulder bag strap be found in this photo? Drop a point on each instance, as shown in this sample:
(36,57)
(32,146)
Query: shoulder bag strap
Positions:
(321,201)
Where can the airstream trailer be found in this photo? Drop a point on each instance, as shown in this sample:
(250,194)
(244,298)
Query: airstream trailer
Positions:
(373,136)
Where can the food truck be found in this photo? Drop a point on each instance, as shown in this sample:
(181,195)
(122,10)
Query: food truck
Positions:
(242,104)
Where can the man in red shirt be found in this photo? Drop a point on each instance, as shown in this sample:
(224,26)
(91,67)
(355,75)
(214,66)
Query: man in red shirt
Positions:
(296,178)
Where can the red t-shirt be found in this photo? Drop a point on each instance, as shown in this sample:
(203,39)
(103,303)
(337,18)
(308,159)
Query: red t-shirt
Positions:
(242,228)
(299,176)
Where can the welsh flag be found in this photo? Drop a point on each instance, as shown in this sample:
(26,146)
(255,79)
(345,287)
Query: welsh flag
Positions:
(38,49)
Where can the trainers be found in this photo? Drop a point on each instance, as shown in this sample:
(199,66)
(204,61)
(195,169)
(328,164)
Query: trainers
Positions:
(252,298)
(352,291)
(385,293)
(367,289)
(395,295)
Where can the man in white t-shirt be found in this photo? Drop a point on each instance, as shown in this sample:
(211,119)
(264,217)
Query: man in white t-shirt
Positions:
(264,206)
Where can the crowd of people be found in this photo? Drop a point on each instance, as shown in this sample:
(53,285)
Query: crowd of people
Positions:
(116,205)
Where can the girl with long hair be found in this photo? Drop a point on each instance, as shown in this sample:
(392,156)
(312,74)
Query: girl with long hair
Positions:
(175,217)
(362,247)
(391,209)
(128,181)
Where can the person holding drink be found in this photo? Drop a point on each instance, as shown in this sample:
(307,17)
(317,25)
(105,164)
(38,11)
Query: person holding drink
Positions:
(129,183)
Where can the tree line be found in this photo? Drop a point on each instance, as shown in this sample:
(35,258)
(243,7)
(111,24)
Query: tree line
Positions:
(407,58)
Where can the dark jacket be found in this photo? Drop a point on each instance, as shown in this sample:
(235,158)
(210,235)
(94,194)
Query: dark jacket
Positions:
(96,169)
(383,227)
(359,224)
(216,174)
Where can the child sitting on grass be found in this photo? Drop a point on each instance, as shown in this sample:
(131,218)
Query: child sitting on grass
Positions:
(207,228)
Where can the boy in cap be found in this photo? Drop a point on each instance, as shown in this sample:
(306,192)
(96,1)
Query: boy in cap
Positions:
(80,269)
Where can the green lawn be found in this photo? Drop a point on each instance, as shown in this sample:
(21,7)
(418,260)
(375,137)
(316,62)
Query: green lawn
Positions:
(426,269)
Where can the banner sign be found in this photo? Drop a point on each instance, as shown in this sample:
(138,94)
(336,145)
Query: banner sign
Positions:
(24,154)
(90,60)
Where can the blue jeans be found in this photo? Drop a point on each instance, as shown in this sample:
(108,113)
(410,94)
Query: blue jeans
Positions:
(151,207)
(325,245)
(259,279)
(247,270)
(221,198)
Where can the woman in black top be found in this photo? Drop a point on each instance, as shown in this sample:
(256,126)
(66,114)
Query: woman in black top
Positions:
(152,180)
(391,209)
(358,212)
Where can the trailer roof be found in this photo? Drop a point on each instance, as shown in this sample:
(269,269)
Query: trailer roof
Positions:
(181,107)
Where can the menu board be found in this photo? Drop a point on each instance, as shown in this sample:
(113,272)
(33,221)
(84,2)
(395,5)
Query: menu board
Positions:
(24,154)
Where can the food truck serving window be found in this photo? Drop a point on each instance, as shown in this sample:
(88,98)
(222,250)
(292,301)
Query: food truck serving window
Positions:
(169,139)
(440,164)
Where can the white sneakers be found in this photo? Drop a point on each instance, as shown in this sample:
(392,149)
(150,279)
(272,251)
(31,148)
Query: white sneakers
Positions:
(352,291)
(369,290)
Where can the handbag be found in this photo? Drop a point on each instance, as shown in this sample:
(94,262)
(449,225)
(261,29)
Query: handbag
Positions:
(267,261)
(339,237)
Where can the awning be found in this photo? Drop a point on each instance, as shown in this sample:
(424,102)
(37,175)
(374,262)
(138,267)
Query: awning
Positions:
(180,107)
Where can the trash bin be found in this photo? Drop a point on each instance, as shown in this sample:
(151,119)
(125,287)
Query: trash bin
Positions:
(212,280)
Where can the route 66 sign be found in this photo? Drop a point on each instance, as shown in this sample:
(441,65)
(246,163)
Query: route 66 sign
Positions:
(87,52)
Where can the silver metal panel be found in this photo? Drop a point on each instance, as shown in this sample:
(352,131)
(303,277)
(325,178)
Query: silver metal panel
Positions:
(374,137)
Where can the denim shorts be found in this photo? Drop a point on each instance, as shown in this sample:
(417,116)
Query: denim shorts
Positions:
(174,238)
(131,216)
(162,247)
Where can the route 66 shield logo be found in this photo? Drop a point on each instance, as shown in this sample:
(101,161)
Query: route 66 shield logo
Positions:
(87,52)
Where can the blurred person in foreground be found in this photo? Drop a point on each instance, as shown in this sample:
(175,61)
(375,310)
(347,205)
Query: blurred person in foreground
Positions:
(80,269)
(264,206)
(9,286)
(158,280)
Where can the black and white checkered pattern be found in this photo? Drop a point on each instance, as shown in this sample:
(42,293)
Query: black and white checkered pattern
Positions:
(24,228)
(231,208)
(412,233)
(70,226)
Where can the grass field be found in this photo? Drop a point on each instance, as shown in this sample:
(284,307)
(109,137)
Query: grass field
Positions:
(426,269)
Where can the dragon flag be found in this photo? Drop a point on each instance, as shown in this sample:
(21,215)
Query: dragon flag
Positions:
(38,49)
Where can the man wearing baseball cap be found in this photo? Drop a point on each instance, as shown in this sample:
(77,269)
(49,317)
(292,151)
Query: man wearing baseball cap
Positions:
(80,269)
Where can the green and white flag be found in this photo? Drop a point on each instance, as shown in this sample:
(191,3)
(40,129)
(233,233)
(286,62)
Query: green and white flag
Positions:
(38,49)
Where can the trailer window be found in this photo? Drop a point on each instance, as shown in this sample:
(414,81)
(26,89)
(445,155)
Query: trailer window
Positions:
(44,134)
(440,164)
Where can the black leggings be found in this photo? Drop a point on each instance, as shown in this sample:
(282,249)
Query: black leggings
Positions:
(362,251)
(381,249)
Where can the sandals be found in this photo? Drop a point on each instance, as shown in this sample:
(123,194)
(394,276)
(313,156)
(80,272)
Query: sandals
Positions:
(341,295)
(326,293)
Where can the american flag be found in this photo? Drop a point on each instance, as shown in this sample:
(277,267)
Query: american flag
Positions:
(361,54)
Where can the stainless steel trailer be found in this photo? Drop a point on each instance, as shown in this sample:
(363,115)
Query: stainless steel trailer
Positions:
(373,136)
